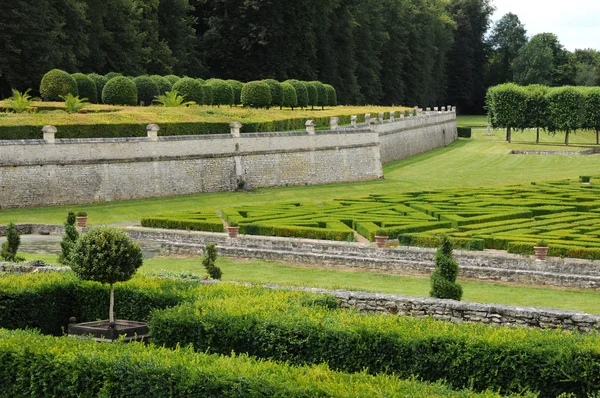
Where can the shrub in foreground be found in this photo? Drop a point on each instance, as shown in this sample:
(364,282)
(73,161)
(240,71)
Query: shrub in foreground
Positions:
(86,87)
(256,94)
(56,83)
(119,91)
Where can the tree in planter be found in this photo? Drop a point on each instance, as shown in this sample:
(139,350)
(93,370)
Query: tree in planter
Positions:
(11,246)
(443,278)
(69,238)
(106,255)
(209,261)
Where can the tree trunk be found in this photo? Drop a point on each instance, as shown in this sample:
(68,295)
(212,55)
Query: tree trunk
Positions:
(508,134)
(111,311)
(597,138)
(537,137)
(567,137)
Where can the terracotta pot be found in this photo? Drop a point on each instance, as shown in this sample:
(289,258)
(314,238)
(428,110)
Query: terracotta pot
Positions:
(233,231)
(380,241)
(81,221)
(540,252)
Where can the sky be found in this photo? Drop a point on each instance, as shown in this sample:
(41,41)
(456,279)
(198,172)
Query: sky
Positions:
(576,23)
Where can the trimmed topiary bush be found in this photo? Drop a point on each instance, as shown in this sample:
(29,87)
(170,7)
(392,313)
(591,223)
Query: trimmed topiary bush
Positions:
(236,86)
(210,260)
(119,91)
(56,83)
(566,110)
(222,92)
(69,238)
(443,279)
(301,92)
(112,75)
(256,94)
(331,95)
(11,246)
(290,99)
(99,81)
(163,84)
(313,96)
(321,94)
(86,87)
(191,89)
(172,79)
(147,90)
(276,92)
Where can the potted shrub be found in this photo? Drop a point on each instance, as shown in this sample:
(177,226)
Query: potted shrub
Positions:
(107,255)
(233,228)
(81,218)
(541,250)
(380,238)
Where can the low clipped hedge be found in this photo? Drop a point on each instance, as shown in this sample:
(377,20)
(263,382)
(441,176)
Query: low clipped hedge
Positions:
(38,366)
(296,232)
(434,241)
(183,223)
(120,91)
(86,87)
(506,360)
(464,132)
(56,83)
(555,250)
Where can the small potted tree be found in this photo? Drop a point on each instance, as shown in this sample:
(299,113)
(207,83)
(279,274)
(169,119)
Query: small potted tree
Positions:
(107,255)
(233,228)
(381,237)
(541,250)
(81,218)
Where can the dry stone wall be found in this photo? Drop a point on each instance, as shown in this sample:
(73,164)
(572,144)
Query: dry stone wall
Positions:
(74,171)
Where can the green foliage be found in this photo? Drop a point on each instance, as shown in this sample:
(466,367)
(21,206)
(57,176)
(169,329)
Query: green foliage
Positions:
(56,83)
(256,94)
(507,38)
(163,84)
(208,94)
(147,89)
(68,240)
(86,87)
(105,255)
(506,105)
(464,132)
(209,262)
(443,278)
(119,91)
(172,79)
(112,75)
(191,89)
(276,92)
(11,246)
(99,82)
(290,100)
(322,99)
(331,95)
(301,92)
(173,99)
(565,110)
(222,92)
(19,102)
(196,221)
(236,86)
(73,104)
(592,110)
(313,95)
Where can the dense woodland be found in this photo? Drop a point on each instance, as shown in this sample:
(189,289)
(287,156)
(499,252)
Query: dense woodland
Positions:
(410,52)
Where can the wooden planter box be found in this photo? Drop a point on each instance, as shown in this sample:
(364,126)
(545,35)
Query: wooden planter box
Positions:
(102,331)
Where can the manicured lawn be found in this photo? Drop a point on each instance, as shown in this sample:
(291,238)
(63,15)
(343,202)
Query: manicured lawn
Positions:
(472,120)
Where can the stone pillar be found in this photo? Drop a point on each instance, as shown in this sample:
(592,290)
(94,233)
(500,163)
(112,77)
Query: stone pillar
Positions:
(392,116)
(353,120)
(333,123)
(454,109)
(310,127)
(49,133)
(443,109)
(235,128)
(401,114)
(152,131)
(449,108)
(372,123)
(380,116)
(489,130)
(428,109)
(367,117)
(436,109)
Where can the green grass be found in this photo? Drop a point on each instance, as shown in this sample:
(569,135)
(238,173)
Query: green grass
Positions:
(472,120)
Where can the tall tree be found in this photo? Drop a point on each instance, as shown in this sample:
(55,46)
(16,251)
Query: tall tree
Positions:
(507,38)
(543,60)
(468,58)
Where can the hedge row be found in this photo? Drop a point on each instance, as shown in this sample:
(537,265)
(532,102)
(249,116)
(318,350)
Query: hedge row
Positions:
(197,221)
(506,360)
(42,366)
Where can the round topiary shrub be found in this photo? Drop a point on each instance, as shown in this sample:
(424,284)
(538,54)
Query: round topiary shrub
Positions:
(222,92)
(313,98)
(256,94)
(191,89)
(112,75)
(99,81)
(290,99)
(172,79)
(208,94)
(321,93)
(276,92)
(56,83)
(201,81)
(163,84)
(236,86)
(147,90)
(86,87)
(301,92)
(331,95)
(119,91)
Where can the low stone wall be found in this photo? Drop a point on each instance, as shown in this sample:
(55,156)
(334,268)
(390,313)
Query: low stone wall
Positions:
(592,151)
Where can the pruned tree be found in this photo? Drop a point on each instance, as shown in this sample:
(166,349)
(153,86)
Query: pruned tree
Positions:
(443,278)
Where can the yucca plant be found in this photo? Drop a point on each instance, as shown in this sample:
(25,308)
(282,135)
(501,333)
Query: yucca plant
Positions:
(73,104)
(19,102)
(173,99)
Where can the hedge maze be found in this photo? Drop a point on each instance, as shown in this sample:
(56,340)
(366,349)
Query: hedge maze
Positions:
(566,214)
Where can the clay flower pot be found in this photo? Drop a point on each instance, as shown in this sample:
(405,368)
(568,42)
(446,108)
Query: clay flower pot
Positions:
(81,221)
(380,241)
(540,252)
(233,231)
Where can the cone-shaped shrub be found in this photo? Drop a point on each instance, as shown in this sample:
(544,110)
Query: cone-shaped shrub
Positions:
(210,260)
(443,279)
(86,87)
(191,89)
(276,92)
(56,83)
(163,84)
(222,92)
(301,92)
(236,86)
(290,99)
(256,94)
(119,91)
(11,246)
(68,240)
(331,95)
(100,82)
(147,89)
